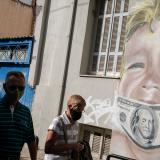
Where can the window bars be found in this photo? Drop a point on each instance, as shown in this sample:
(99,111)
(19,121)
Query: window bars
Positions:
(109,42)
(15,51)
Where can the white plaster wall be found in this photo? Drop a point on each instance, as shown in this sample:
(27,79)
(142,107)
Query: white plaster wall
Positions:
(57,41)
(98,88)
(46,101)
(37,30)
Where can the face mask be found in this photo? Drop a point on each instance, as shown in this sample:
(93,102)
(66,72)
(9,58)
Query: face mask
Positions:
(75,115)
(140,121)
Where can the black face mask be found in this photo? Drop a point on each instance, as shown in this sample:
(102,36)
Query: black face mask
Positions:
(75,115)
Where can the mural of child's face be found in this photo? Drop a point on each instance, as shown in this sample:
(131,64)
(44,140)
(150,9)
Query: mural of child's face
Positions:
(141,77)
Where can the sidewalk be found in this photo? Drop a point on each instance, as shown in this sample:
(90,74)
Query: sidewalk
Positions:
(25,154)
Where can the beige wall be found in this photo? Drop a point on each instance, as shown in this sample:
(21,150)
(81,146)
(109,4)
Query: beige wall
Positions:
(16,19)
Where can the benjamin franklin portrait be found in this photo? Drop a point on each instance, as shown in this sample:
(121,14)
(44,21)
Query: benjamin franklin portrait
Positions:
(143,126)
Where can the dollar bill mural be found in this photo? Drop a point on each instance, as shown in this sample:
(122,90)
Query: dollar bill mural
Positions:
(140,121)
(134,117)
(138,100)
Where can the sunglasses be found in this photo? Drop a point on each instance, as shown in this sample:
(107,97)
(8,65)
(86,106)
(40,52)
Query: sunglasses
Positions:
(78,107)
(13,88)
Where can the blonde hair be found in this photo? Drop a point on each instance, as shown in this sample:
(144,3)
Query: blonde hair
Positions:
(142,14)
(76,99)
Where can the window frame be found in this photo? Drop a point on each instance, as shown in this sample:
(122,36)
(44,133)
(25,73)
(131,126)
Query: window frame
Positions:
(116,54)
(9,43)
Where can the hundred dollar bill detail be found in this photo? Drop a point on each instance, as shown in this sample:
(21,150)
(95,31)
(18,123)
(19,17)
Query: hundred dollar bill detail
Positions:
(140,121)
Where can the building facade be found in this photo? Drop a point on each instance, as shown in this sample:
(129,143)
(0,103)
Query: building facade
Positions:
(67,47)
(78,50)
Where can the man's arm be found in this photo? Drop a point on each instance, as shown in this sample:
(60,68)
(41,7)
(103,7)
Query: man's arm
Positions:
(31,139)
(51,148)
(32,150)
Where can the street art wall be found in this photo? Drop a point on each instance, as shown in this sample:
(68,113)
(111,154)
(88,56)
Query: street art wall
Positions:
(135,114)
(97,111)
(138,96)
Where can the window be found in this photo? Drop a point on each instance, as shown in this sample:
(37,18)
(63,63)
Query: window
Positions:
(15,51)
(107,52)
(12,53)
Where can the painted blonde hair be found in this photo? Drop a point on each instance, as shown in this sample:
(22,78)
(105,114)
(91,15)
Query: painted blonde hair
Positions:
(142,14)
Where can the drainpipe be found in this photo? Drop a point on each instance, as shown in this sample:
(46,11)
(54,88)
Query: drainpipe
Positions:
(42,41)
(67,57)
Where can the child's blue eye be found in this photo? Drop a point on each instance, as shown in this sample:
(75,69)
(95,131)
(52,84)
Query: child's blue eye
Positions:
(136,65)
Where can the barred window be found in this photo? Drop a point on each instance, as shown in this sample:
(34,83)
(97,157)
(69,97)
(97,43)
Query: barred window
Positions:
(15,51)
(107,53)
